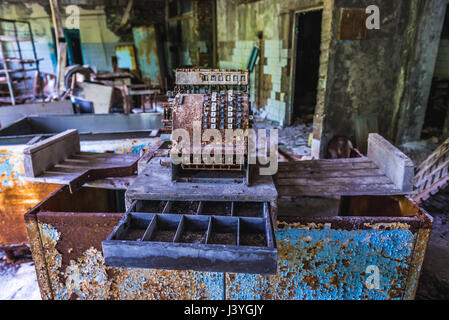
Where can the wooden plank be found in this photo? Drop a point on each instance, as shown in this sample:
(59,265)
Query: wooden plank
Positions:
(395,164)
(45,154)
(310,173)
(432,179)
(148,156)
(337,190)
(326,181)
(351,162)
(117,183)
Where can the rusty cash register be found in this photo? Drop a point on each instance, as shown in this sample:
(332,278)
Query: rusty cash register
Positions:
(199,215)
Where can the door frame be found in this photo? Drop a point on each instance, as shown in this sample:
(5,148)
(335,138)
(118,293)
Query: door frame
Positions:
(294,38)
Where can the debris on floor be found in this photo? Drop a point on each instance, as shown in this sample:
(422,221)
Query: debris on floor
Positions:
(293,139)
(18,281)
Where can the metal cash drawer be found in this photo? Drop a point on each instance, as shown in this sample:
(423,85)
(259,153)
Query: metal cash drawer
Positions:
(213,236)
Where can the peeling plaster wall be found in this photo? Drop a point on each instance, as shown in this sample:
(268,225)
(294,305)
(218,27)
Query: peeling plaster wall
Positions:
(190,37)
(426,24)
(388,74)
(237,26)
(363,75)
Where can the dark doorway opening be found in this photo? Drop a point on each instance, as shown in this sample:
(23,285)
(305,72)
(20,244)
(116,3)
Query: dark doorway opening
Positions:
(74,48)
(307,62)
(74,51)
(436,122)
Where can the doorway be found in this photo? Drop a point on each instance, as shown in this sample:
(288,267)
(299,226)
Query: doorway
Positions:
(74,51)
(306,64)
(74,48)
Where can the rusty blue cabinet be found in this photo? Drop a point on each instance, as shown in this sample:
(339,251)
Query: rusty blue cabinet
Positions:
(373,248)
(341,258)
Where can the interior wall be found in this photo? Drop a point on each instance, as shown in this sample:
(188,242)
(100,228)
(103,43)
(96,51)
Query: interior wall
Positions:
(190,36)
(237,26)
(419,58)
(363,74)
(97,40)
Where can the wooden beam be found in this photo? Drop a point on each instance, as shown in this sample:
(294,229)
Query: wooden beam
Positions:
(43,155)
(395,164)
(126,16)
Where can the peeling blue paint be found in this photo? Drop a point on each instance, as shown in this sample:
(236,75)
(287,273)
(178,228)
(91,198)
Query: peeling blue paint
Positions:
(331,264)
(7,171)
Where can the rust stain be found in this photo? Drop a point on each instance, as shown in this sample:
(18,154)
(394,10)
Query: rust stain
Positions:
(76,269)
(387,226)
(15,200)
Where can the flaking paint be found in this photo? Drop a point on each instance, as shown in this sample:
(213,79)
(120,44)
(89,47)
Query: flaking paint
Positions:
(322,263)
(315,262)
(89,278)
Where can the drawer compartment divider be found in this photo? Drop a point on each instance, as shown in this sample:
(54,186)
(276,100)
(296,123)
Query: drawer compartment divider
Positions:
(180,230)
(150,230)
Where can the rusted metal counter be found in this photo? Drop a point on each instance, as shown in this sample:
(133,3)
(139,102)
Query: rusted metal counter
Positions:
(318,257)
(123,134)
(340,247)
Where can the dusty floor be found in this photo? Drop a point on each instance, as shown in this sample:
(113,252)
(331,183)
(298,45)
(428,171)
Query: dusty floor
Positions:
(18,282)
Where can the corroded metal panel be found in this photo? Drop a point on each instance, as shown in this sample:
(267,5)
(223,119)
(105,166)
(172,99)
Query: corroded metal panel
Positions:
(318,258)
(146,42)
(322,261)
(212,77)
(76,270)
(17,195)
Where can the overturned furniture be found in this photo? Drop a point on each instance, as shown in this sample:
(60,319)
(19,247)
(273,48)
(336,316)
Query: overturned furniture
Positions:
(432,180)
